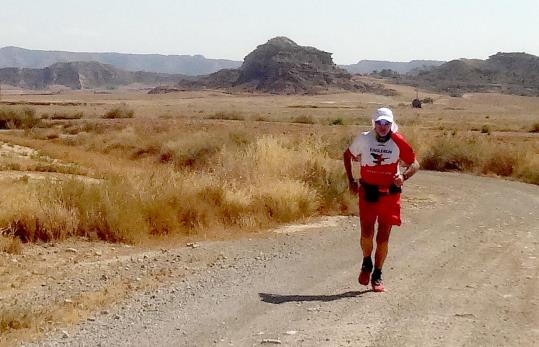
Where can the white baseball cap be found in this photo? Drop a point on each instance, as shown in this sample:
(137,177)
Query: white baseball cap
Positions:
(386,114)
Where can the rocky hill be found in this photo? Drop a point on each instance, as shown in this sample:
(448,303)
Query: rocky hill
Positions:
(511,73)
(80,75)
(369,66)
(191,65)
(283,67)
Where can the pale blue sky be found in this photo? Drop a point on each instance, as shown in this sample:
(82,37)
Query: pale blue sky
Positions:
(351,30)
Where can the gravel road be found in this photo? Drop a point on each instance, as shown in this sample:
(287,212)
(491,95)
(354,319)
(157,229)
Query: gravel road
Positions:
(461,271)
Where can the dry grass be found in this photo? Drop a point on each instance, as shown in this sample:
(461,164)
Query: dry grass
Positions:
(244,185)
(18,118)
(15,318)
(303,119)
(188,172)
(63,115)
(10,244)
(479,154)
(229,115)
(254,162)
(120,111)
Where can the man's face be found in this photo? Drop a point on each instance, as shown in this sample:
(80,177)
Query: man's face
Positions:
(382,127)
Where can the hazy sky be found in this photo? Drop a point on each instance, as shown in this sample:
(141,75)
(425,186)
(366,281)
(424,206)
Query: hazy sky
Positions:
(351,29)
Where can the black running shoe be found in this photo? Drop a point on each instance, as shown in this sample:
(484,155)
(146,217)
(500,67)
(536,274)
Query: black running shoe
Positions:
(376,281)
(365,273)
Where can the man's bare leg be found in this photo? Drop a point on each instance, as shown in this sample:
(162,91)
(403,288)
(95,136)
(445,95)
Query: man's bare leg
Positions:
(382,243)
(367,236)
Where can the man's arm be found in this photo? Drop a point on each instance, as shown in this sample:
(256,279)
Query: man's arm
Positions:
(408,172)
(347,159)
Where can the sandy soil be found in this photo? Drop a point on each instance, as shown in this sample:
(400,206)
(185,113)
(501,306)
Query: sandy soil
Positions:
(462,271)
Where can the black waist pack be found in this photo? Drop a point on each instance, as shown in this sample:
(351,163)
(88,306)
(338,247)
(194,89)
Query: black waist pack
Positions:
(372,192)
(393,189)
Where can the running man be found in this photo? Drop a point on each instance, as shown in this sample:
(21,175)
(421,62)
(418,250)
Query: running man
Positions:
(379,153)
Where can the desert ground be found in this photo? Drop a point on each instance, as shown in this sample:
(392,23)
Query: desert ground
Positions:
(212,218)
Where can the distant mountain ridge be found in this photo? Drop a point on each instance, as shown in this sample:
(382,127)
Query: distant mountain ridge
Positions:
(190,65)
(81,75)
(369,66)
(511,73)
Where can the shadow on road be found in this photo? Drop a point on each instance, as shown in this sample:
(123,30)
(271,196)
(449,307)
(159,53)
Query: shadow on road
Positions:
(279,299)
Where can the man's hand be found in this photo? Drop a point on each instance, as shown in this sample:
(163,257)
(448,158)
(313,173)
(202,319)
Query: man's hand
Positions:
(398,180)
(353,185)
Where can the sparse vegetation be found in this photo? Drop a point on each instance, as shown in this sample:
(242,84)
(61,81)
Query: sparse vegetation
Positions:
(67,115)
(245,185)
(18,118)
(121,111)
(231,115)
(303,119)
(189,174)
(471,154)
(11,245)
(338,121)
(226,177)
(16,318)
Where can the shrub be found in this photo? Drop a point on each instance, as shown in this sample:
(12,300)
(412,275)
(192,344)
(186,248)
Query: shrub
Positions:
(231,115)
(338,121)
(121,111)
(500,163)
(527,169)
(450,154)
(11,245)
(194,153)
(24,118)
(66,115)
(285,201)
(535,128)
(480,155)
(304,119)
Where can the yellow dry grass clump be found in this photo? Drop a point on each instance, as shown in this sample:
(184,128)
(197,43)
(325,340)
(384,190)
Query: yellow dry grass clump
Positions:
(237,184)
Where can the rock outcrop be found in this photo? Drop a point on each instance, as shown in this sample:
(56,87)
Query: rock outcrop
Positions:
(510,73)
(281,66)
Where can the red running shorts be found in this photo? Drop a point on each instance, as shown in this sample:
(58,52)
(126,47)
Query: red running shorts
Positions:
(387,210)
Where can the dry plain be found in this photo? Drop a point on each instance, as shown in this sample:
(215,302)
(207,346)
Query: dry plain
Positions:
(106,208)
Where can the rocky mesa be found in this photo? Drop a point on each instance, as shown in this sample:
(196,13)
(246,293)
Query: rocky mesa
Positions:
(281,66)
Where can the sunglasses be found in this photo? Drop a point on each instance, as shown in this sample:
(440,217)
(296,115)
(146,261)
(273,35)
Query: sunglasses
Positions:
(382,122)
